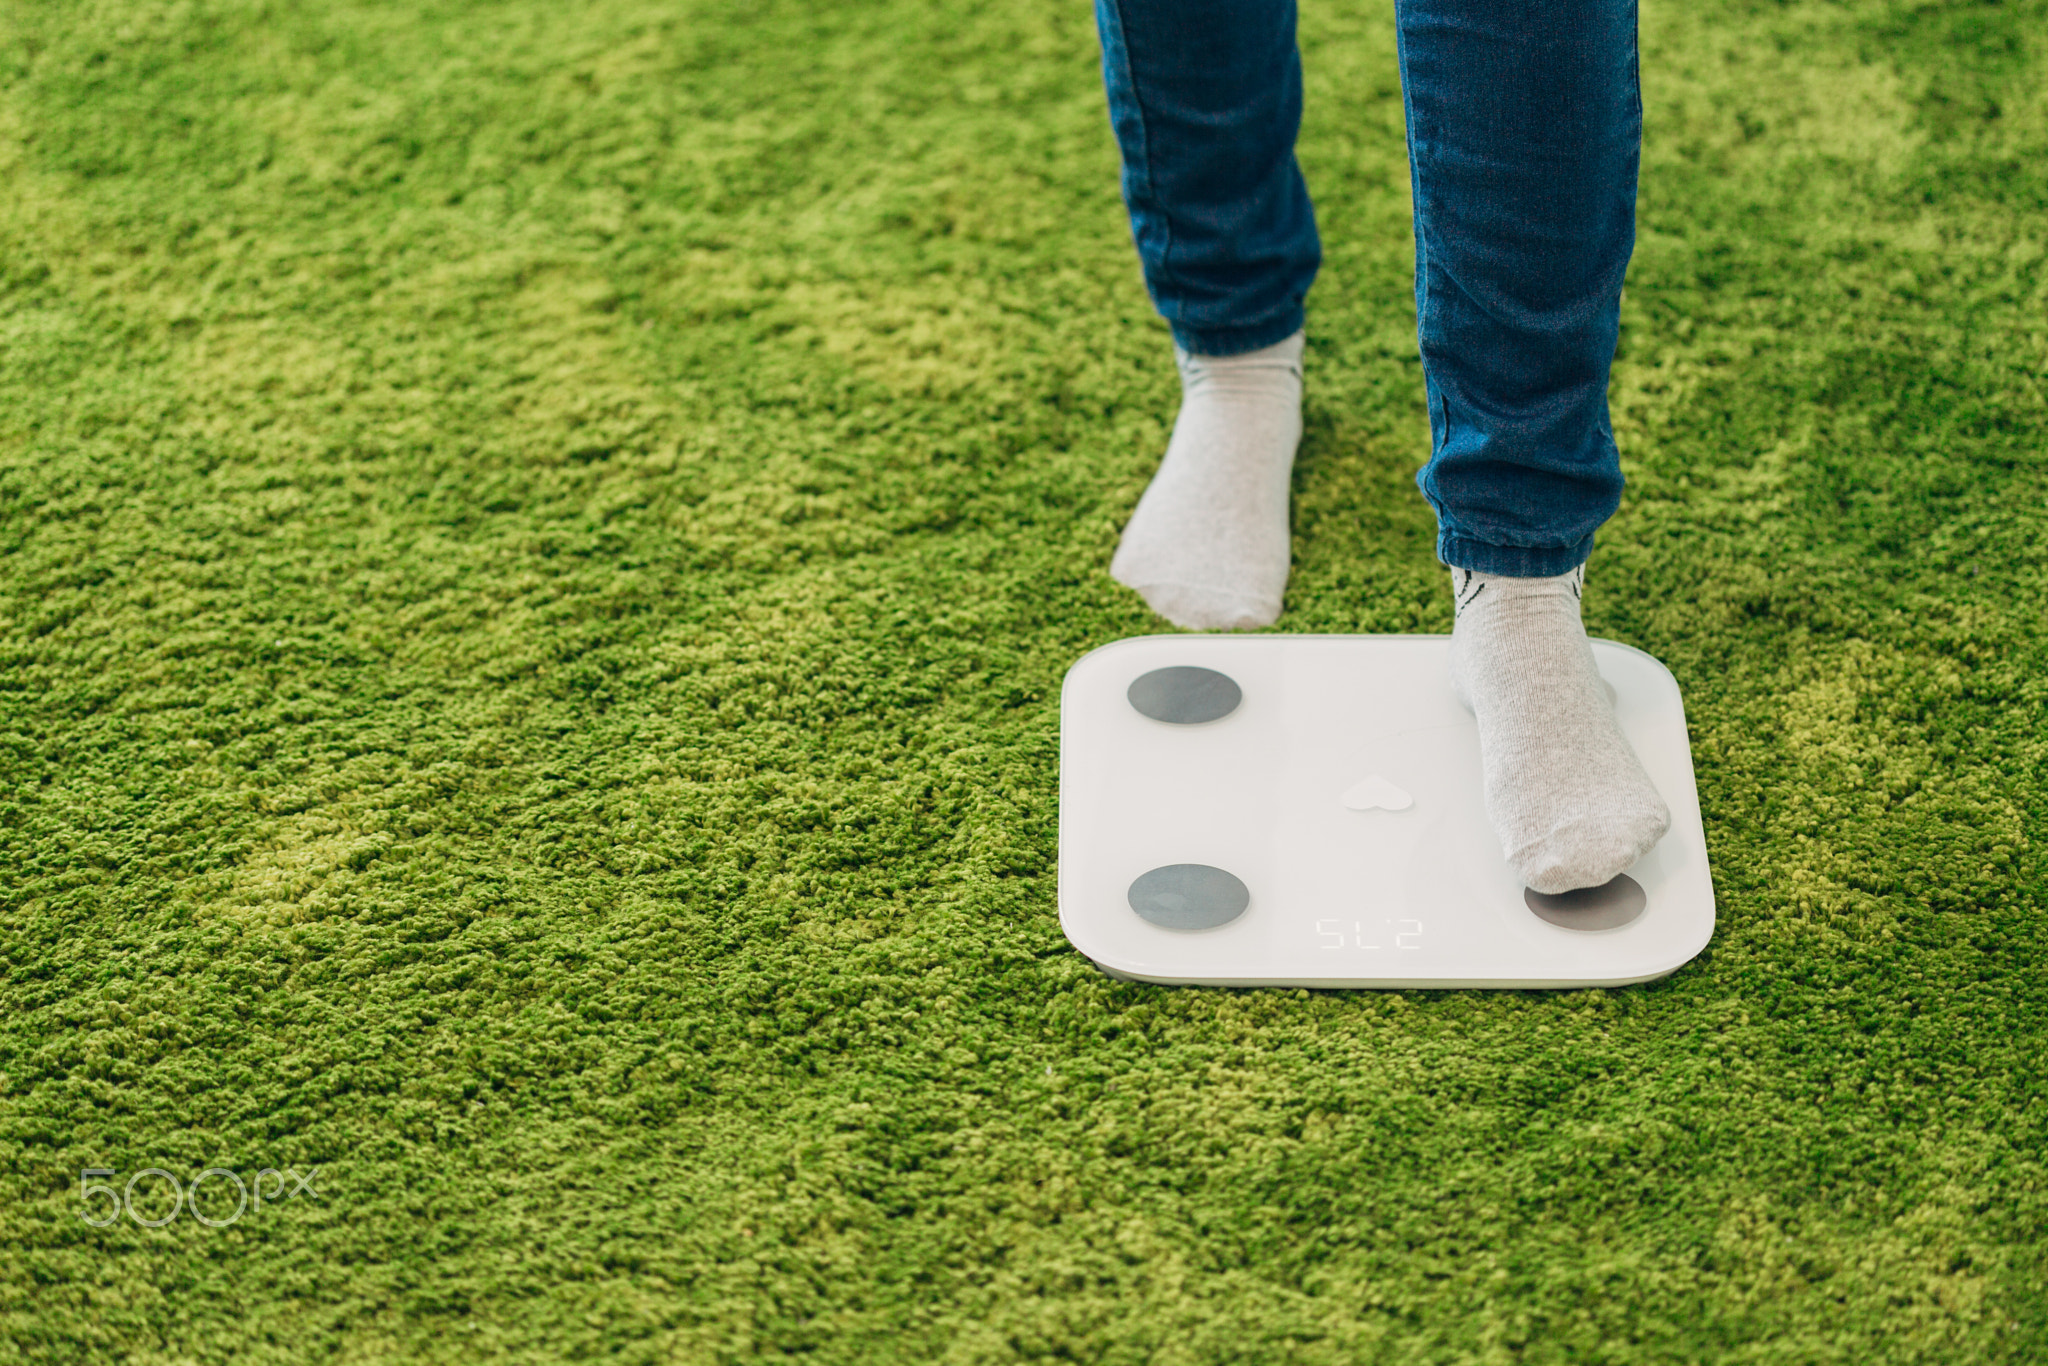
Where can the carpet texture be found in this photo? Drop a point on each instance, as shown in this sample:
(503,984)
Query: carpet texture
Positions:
(538,545)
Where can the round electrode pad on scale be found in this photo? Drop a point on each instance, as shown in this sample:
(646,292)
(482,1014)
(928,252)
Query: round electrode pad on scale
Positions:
(1307,811)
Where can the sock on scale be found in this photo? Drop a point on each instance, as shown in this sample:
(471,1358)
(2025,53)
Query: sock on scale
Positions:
(1564,789)
(1208,547)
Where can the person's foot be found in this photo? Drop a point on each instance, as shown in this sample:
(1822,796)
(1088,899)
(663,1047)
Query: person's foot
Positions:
(1208,546)
(1564,790)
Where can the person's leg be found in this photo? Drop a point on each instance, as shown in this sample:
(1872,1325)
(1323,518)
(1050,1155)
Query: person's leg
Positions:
(1524,128)
(1205,100)
(1523,136)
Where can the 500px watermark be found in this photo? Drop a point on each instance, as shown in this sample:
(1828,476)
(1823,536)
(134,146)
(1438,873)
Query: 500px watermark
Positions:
(153,1182)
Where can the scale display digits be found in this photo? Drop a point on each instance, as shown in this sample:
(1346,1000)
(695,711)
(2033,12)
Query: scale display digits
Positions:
(1361,934)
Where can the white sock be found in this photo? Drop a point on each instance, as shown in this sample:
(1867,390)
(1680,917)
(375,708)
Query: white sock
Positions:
(1208,546)
(1564,790)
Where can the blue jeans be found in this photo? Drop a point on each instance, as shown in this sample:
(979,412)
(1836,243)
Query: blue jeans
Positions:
(1524,132)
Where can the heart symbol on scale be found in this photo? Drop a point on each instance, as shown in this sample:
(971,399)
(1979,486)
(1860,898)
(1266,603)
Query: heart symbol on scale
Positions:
(1376,794)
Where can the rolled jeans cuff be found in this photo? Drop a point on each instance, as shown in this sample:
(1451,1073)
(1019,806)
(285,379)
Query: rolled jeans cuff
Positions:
(1513,561)
(1235,341)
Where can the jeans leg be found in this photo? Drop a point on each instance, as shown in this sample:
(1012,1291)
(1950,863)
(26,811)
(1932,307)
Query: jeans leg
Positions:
(1205,99)
(1524,133)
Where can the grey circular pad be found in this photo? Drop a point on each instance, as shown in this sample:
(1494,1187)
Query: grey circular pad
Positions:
(1606,907)
(1185,695)
(1189,896)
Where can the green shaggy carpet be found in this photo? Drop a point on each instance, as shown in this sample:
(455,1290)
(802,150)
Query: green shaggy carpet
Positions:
(538,545)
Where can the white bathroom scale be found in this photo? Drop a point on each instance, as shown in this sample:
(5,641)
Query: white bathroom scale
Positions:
(1306,811)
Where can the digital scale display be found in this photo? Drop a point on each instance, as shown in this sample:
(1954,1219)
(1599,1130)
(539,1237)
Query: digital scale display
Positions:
(1395,934)
(1306,811)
